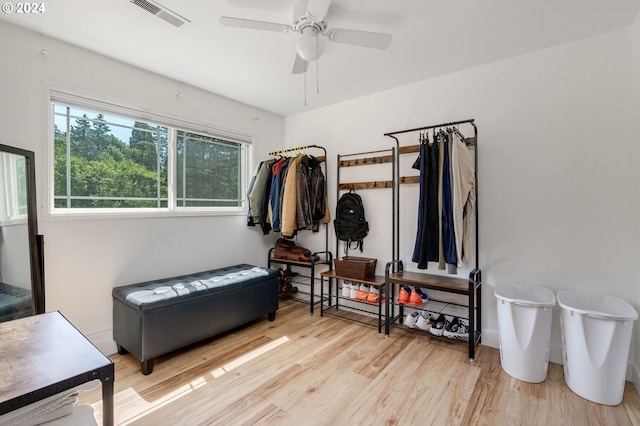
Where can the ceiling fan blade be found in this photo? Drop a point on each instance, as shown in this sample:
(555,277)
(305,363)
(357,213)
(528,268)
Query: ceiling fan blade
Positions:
(254,25)
(317,9)
(299,66)
(360,38)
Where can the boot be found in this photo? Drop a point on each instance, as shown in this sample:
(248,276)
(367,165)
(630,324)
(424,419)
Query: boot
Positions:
(286,289)
(289,272)
(289,289)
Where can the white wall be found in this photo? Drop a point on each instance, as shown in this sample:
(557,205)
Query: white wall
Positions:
(85,259)
(636,137)
(557,166)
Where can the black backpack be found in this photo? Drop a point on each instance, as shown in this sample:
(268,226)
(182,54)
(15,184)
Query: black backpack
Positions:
(350,224)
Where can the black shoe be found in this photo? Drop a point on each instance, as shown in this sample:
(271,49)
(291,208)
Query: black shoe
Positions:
(437,328)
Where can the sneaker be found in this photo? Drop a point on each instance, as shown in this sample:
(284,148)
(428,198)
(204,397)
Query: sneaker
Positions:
(354,290)
(425,321)
(403,296)
(463,330)
(437,327)
(422,294)
(411,319)
(346,288)
(414,298)
(374,294)
(363,293)
(451,329)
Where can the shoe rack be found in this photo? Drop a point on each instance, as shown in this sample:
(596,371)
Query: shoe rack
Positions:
(307,296)
(396,276)
(353,308)
(470,313)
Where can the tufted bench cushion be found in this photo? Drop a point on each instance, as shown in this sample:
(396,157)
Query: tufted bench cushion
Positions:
(15,302)
(155,294)
(156,317)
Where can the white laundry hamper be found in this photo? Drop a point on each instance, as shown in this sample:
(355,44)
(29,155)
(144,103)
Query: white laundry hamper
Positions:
(524,329)
(596,335)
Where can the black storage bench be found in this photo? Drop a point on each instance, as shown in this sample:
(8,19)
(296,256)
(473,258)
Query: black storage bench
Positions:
(156,317)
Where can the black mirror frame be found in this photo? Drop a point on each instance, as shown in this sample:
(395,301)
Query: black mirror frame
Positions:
(36,241)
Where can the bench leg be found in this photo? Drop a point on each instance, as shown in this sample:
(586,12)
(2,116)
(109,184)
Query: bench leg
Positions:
(271,316)
(147,367)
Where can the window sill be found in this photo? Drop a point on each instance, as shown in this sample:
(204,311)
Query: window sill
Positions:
(13,222)
(97,214)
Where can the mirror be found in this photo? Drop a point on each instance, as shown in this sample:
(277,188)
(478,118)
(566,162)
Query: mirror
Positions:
(21,248)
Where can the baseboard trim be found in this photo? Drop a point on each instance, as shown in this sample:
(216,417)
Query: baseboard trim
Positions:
(635,376)
(103,340)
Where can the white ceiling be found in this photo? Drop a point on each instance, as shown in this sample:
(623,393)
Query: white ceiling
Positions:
(430,38)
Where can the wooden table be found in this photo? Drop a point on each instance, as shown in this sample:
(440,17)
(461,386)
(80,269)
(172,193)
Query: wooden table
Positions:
(43,355)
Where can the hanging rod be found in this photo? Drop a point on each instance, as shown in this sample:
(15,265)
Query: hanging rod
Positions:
(453,123)
(297,148)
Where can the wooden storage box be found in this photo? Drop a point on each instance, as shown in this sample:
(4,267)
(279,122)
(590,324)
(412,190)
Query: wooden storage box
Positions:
(358,268)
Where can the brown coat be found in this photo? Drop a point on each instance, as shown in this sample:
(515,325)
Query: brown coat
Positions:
(288,217)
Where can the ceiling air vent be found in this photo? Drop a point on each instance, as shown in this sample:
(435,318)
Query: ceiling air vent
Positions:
(161,12)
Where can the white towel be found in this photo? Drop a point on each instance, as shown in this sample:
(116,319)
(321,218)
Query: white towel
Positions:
(82,416)
(59,406)
(46,410)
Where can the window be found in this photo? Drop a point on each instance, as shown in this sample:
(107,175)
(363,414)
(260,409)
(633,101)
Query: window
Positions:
(105,161)
(14,174)
(201,161)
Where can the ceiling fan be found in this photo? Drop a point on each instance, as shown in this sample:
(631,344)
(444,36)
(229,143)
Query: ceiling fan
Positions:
(310,22)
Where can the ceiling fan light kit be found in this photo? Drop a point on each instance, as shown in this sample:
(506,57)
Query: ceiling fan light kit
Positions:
(309,47)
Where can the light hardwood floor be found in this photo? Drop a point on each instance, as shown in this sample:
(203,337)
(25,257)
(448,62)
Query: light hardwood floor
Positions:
(308,370)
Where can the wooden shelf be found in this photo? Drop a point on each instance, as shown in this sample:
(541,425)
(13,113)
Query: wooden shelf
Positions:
(376,280)
(435,282)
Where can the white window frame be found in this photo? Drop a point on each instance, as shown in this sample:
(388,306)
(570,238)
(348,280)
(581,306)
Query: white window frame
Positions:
(123,109)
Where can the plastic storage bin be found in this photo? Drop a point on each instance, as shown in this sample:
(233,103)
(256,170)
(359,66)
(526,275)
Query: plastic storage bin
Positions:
(596,335)
(524,325)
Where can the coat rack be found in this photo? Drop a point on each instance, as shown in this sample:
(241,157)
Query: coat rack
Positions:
(395,275)
(328,258)
(471,141)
